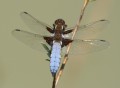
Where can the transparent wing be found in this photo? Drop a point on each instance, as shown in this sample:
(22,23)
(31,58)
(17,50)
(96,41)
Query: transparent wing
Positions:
(35,25)
(90,30)
(87,46)
(35,41)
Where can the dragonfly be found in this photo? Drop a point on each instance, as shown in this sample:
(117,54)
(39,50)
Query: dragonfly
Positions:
(53,40)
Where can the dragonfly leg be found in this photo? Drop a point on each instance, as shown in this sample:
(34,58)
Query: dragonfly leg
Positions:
(47,60)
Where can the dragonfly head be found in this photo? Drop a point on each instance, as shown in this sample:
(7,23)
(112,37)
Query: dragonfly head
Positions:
(60,23)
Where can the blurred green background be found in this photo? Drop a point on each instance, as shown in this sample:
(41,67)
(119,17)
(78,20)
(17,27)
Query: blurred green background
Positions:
(23,67)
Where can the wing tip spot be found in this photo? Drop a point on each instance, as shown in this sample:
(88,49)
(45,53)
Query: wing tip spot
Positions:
(25,12)
(102,20)
(103,40)
(17,29)
(105,20)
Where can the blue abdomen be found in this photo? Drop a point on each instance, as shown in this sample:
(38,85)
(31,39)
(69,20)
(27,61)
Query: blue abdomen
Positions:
(55,58)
